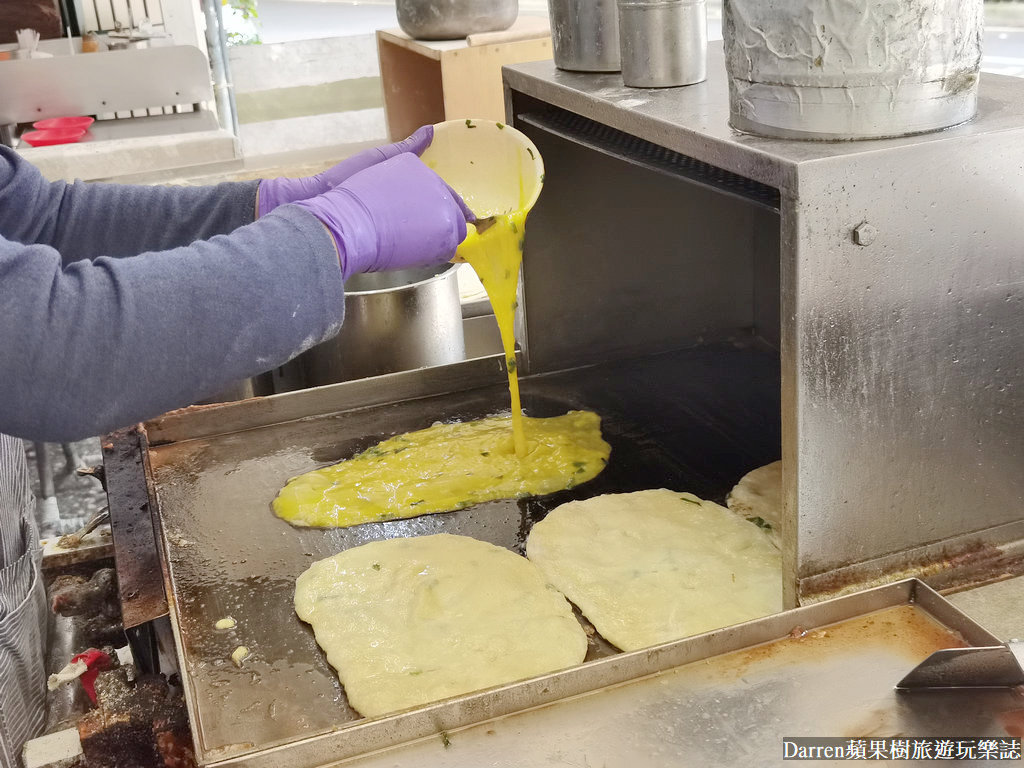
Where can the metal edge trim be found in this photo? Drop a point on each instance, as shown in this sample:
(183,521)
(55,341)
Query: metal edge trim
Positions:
(766,130)
(969,559)
(374,735)
(187,690)
(521,318)
(948,614)
(538,122)
(767,169)
(201,421)
(790,410)
(126,459)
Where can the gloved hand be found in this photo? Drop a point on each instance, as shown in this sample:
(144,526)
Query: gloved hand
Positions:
(275,192)
(394,215)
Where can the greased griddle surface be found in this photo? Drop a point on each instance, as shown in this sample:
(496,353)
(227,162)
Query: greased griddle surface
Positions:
(695,421)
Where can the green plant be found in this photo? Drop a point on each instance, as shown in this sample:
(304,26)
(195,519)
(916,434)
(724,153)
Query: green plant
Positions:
(247,8)
(245,12)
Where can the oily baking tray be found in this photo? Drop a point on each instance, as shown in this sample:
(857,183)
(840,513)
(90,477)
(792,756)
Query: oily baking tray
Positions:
(694,420)
(734,697)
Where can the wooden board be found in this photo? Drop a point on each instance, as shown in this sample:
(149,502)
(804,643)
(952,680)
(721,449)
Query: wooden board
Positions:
(472,76)
(412,87)
(427,82)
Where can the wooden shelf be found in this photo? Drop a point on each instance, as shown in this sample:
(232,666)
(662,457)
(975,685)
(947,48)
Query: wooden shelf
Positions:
(432,81)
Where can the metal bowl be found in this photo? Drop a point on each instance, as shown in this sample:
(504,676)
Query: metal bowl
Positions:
(394,321)
(454,19)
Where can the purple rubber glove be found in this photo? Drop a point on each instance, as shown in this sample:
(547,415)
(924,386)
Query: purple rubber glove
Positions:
(275,192)
(394,215)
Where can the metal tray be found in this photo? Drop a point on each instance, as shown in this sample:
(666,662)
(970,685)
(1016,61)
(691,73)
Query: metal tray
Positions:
(705,417)
(728,698)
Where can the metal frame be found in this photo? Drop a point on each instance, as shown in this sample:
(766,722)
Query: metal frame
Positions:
(368,736)
(133,507)
(101,83)
(214,470)
(901,291)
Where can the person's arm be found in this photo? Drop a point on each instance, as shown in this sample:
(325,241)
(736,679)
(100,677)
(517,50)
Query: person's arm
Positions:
(92,345)
(96,345)
(86,220)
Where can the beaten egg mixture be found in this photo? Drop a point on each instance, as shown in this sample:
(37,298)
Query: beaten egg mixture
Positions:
(496,256)
(446,467)
(451,466)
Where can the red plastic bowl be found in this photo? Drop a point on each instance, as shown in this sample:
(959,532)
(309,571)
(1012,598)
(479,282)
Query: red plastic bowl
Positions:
(56,136)
(56,123)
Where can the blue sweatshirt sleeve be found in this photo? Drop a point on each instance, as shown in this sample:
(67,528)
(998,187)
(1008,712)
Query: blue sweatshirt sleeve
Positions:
(90,344)
(83,221)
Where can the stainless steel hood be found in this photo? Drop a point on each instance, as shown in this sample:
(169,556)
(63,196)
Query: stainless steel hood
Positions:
(899,278)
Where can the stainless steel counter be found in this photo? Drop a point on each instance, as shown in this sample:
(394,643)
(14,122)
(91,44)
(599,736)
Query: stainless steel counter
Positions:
(694,120)
(687,717)
(998,607)
(734,709)
(901,302)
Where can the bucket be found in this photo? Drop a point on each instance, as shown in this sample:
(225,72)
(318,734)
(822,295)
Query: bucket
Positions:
(664,42)
(495,168)
(817,69)
(394,321)
(454,19)
(584,35)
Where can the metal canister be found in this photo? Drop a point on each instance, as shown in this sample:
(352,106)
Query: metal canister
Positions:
(817,69)
(664,43)
(394,321)
(585,35)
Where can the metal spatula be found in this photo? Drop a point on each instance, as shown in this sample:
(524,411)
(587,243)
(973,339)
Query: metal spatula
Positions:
(997,666)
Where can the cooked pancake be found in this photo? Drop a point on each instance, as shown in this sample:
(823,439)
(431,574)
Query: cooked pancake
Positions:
(409,621)
(757,498)
(653,566)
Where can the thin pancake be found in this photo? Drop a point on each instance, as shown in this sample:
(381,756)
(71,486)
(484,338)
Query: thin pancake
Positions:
(654,566)
(409,621)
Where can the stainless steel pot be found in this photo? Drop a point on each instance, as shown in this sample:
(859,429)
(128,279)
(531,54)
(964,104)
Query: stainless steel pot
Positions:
(585,35)
(394,321)
(664,43)
(816,69)
(454,19)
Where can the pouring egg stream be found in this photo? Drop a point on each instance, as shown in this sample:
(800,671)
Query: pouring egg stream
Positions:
(496,255)
(498,172)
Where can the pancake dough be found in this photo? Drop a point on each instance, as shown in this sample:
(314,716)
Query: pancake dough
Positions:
(653,566)
(758,497)
(409,621)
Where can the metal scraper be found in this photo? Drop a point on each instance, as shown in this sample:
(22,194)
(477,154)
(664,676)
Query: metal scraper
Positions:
(997,666)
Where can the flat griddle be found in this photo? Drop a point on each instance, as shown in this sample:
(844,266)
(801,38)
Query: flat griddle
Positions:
(693,421)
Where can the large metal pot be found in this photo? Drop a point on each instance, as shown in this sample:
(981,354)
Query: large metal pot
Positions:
(394,321)
(664,43)
(585,35)
(817,69)
(454,19)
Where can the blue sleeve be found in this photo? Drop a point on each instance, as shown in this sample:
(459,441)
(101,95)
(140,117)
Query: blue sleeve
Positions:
(83,221)
(89,345)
